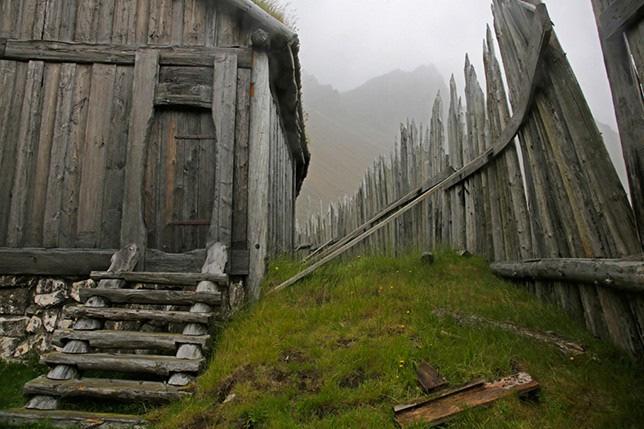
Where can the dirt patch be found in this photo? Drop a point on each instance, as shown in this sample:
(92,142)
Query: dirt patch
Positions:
(346,343)
(353,380)
(308,381)
(241,375)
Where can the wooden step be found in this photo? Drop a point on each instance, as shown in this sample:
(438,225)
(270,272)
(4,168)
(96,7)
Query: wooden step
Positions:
(71,419)
(124,390)
(123,314)
(147,364)
(165,297)
(185,279)
(129,340)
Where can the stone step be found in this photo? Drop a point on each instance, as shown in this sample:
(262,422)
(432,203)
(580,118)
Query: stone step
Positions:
(126,314)
(185,279)
(124,390)
(129,340)
(163,297)
(145,364)
(71,419)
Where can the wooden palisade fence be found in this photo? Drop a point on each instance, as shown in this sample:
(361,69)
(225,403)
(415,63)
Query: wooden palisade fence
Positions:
(518,177)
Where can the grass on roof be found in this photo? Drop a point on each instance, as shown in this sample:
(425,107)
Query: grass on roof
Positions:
(339,351)
(277,9)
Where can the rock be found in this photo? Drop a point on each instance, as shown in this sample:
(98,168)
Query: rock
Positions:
(464,254)
(427,258)
(14,301)
(34,325)
(51,299)
(8,346)
(74,291)
(49,319)
(236,297)
(229,398)
(46,286)
(15,281)
(13,326)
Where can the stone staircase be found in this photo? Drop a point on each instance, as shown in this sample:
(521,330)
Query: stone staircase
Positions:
(136,337)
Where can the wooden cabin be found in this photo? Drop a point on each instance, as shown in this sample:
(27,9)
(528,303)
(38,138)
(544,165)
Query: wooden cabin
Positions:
(169,124)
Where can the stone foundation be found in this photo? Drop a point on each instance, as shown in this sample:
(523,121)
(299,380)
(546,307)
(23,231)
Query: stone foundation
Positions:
(31,308)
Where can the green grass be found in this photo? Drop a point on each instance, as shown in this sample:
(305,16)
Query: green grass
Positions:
(339,350)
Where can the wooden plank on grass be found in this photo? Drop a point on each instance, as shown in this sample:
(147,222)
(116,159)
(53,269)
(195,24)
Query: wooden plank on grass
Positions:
(440,409)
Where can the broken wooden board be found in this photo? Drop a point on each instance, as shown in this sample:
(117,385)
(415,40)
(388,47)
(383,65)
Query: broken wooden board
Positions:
(445,406)
(565,346)
(429,378)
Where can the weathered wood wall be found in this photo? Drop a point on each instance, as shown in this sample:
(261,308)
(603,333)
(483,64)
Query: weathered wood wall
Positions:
(568,204)
(66,111)
(281,197)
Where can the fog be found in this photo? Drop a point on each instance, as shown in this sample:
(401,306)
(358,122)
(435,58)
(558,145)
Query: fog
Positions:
(346,42)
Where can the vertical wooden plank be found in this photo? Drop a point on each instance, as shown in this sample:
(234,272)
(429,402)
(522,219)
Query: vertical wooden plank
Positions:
(240,183)
(124,24)
(258,162)
(26,18)
(167,178)
(115,154)
(160,23)
(54,200)
(223,114)
(227,27)
(195,15)
(90,210)
(68,223)
(28,133)
(36,208)
(177,22)
(87,21)
(210,34)
(105,20)
(53,19)
(12,81)
(146,71)
(629,110)
(9,11)
(151,183)
(142,21)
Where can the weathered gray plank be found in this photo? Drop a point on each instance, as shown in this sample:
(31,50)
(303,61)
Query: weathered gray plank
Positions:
(162,278)
(92,173)
(183,94)
(258,166)
(54,204)
(224,109)
(124,390)
(126,340)
(618,16)
(159,365)
(69,52)
(29,129)
(135,296)
(66,419)
(126,314)
(146,71)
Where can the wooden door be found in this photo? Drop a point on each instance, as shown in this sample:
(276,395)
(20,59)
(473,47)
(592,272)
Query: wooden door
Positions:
(180,180)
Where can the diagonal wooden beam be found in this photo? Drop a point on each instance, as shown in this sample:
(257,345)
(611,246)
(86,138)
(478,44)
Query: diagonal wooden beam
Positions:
(619,16)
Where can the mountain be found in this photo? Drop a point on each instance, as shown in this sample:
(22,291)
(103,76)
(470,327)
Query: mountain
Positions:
(348,130)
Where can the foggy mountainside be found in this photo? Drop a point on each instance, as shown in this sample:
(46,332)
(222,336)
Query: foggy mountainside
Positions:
(348,130)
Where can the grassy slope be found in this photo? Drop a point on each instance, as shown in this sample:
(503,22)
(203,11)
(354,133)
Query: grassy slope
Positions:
(339,350)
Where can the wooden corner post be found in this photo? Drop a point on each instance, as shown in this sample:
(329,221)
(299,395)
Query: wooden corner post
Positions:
(146,71)
(224,110)
(258,167)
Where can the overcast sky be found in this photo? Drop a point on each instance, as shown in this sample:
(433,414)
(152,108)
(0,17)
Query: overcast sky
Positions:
(346,42)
